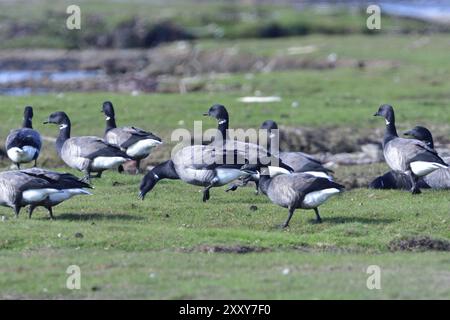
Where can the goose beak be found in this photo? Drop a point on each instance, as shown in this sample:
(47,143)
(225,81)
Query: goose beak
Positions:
(206,114)
(376,114)
(46,122)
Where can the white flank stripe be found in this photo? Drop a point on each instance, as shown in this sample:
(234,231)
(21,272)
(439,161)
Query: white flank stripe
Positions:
(107,162)
(142,147)
(422,168)
(316,198)
(225,176)
(37,195)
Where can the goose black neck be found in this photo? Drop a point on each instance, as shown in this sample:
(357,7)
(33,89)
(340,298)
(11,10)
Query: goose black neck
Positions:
(64,134)
(391,131)
(110,123)
(27,123)
(264,182)
(165,170)
(222,127)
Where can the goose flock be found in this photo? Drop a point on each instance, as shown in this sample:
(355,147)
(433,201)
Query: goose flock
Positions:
(290,179)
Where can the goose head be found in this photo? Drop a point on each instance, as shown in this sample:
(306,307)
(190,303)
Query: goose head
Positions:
(59,118)
(108,110)
(147,184)
(269,125)
(387,112)
(422,134)
(219,112)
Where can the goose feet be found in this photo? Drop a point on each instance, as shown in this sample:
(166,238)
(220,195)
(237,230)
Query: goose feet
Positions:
(415,191)
(318,218)
(30,211)
(50,212)
(206,195)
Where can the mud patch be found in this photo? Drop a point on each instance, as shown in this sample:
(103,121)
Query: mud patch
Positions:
(419,244)
(230,249)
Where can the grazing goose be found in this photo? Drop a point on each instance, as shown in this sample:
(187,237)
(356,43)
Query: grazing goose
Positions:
(87,154)
(207,166)
(38,187)
(23,145)
(410,156)
(136,142)
(439,179)
(299,161)
(295,190)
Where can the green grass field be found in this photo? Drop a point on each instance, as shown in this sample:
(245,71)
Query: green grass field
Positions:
(169,246)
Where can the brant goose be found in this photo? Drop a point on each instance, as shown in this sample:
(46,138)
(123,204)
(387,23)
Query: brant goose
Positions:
(87,154)
(439,179)
(23,145)
(410,156)
(207,166)
(38,187)
(295,190)
(137,143)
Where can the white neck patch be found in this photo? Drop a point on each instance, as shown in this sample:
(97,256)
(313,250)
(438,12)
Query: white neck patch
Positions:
(387,122)
(272,135)
(156,176)
(63,126)
(222,121)
(108,118)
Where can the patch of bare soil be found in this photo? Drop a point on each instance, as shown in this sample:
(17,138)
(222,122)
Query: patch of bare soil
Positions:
(421,243)
(229,249)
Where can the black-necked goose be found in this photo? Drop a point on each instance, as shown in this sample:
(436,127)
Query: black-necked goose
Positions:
(207,166)
(38,187)
(410,156)
(87,154)
(24,145)
(439,179)
(295,190)
(220,113)
(299,161)
(136,142)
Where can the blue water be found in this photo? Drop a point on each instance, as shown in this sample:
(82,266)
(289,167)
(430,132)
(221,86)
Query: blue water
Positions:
(14,76)
(17,76)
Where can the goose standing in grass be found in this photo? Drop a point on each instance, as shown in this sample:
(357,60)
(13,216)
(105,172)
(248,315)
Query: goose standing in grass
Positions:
(137,143)
(207,166)
(24,145)
(38,187)
(295,190)
(86,154)
(439,179)
(410,156)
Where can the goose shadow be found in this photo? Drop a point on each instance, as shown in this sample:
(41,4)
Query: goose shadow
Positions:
(341,220)
(96,216)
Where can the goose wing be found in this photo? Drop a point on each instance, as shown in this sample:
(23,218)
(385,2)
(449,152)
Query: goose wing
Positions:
(301,162)
(127,136)
(56,179)
(201,157)
(90,147)
(24,137)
